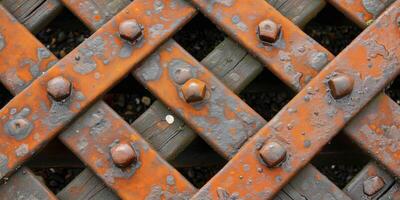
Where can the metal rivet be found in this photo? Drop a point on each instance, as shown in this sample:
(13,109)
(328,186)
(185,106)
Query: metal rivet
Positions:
(268,31)
(272,153)
(123,154)
(59,88)
(194,90)
(341,85)
(19,125)
(372,185)
(130,30)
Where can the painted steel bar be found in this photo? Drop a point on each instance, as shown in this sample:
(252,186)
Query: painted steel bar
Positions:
(95,13)
(371,60)
(360,186)
(149,177)
(87,67)
(24,185)
(361,12)
(173,185)
(221,118)
(386,156)
(295,57)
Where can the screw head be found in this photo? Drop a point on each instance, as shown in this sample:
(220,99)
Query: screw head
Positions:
(123,154)
(59,88)
(130,30)
(372,185)
(341,85)
(194,90)
(272,153)
(268,31)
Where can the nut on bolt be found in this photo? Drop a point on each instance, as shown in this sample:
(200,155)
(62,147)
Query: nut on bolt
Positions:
(59,88)
(341,85)
(130,30)
(268,31)
(123,154)
(272,153)
(373,185)
(194,90)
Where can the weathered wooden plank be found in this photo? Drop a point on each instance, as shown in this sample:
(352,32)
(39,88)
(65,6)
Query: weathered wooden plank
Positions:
(23,185)
(86,186)
(34,14)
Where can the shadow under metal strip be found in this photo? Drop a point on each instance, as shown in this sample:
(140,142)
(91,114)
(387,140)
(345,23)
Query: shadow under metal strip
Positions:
(371,60)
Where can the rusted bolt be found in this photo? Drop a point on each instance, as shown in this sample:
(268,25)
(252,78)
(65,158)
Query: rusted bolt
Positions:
(341,85)
(194,90)
(272,153)
(123,154)
(268,31)
(59,88)
(130,30)
(372,185)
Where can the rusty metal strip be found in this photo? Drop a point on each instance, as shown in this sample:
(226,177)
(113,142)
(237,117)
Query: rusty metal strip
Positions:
(295,57)
(362,12)
(220,117)
(354,77)
(24,185)
(89,69)
(94,13)
(104,125)
(386,156)
(149,176)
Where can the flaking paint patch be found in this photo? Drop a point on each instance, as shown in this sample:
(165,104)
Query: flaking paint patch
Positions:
(97,122)
(319,60)
(157,193)
(239,24)
(2,42)
(158,6)
(176,65)
(13,80)
(211,3)
(22,150)
(150,69)
(375,7)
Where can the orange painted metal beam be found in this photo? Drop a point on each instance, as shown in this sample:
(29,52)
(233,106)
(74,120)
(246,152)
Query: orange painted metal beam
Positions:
(361,12)
(365,66)
(32,118)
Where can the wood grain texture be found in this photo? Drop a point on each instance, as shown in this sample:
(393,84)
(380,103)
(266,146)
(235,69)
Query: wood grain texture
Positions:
(34,14)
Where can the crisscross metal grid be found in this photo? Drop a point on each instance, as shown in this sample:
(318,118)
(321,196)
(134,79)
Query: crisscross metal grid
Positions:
(334,94)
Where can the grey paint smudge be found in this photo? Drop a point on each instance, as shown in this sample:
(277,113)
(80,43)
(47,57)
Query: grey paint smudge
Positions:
(150,69)
(2,42)
(22,150)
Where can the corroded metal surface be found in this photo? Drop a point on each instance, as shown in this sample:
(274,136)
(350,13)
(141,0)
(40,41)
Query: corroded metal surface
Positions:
(295,57)
(95,138)
(87,67)
(371,60)
(221,118)
(362,12)
(24,185)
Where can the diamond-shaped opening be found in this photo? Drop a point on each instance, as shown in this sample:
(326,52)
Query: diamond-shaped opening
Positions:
(198,162)
(199,37)
(393,90)
(332,29)
(129,99)
(269,99)
(55,166)
(5,96)
(63,34)
(340,160)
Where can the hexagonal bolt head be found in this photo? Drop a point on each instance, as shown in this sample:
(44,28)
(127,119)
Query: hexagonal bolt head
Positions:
(194,90)
(123,154)
(130,30)
(372,185)
(59,88)
(268,31)
(272,153)
(341,85)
